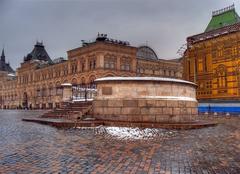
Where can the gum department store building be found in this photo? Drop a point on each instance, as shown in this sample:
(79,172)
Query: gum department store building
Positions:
(37,82)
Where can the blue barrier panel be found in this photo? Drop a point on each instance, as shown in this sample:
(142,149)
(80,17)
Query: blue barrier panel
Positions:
(220,109)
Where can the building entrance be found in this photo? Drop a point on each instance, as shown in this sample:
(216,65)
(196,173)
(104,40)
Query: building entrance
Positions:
(25,101)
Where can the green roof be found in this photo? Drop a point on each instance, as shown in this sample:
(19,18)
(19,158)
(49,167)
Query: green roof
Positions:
(222,18)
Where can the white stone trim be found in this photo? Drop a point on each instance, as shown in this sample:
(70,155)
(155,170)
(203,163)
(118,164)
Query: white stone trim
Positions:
(66,84)
(170,98)
(160,79)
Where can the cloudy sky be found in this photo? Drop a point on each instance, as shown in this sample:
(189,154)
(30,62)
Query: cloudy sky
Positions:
(62,24)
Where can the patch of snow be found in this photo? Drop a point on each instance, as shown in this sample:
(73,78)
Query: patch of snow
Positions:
(131,133)
(12,75)
(66,84)
(83,128)
(143,79)
(75,99)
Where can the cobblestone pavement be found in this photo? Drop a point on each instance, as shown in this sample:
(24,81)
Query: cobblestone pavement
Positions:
(33,148)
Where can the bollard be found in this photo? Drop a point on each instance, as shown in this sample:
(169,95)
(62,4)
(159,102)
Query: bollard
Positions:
(228,115)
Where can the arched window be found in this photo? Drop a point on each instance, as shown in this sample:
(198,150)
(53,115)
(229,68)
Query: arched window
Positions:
(58,88)
(125,63)
(44,91)
(83,81)
(92,62)
(110,61)
(50,90)
(91,80)
(221,74)
(74,81)
(238,75)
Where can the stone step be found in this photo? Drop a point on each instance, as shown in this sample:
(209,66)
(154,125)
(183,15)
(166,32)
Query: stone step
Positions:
(73,107)
(69,111)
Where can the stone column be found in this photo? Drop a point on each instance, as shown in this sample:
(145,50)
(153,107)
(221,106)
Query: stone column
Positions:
(67,92)
(100,60)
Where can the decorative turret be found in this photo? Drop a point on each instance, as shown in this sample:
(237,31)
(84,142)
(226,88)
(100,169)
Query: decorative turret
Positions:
(223,17)
(3,56)
(224,21)
(5,66)
(104,38)
(38,53)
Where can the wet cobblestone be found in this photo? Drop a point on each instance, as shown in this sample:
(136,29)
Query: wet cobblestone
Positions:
(33,148)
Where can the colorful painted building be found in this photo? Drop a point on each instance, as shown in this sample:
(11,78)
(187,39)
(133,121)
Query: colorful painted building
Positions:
(212,59)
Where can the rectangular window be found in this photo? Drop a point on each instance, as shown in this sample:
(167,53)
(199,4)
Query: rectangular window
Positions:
(59,91)
(110,61)
(83,67)
(234,51)
(112,65)
(220,53)
(106,65)
(200,65)
(92,64)
(125,67)
(38,93)
(109,65)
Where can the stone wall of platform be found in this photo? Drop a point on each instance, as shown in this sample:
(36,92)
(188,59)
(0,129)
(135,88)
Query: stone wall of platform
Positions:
(142,110)
(145,101)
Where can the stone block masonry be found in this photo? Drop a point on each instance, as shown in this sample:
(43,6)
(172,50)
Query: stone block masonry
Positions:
(139,110)
(158,100)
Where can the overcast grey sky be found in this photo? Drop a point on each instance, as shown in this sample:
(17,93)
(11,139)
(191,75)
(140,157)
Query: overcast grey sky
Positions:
(62,24)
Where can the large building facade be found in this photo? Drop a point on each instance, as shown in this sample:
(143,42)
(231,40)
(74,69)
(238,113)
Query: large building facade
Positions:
(37,82)
(212,58)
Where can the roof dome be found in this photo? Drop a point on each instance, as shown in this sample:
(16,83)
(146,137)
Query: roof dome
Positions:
(145,52)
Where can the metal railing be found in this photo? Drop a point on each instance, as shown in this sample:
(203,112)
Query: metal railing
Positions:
(84,92)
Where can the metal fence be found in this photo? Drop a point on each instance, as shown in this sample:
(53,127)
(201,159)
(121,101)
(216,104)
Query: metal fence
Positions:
(84,92)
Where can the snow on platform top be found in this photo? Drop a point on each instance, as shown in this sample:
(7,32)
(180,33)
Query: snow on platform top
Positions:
(66,84)
(12,75)
(143,79)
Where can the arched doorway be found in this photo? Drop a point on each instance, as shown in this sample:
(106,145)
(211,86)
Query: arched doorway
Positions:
(25,100)
(1,101)
(83,81)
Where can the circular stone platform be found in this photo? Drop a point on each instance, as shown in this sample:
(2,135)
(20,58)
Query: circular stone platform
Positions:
(145,99)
